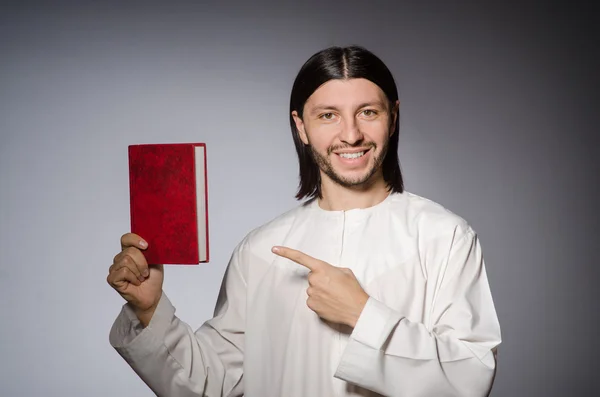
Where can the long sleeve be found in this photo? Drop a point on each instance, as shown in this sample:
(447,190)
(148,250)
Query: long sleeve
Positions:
(451,353)
(175,361)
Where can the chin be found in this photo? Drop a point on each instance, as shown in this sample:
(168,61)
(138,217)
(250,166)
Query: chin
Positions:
(353,179)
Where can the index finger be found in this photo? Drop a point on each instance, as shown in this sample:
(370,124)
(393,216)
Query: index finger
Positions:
(133,240)
(299,257)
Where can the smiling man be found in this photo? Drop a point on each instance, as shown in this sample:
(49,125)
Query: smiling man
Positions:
(363,290)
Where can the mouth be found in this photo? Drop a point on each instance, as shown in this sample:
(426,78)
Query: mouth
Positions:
(353,154)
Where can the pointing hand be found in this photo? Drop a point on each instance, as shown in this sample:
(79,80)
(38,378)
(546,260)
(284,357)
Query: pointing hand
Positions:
(333,293)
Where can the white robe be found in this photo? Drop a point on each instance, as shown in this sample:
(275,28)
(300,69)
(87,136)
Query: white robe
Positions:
(428,329)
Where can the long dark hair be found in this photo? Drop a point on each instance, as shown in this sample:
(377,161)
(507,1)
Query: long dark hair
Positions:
(341,63)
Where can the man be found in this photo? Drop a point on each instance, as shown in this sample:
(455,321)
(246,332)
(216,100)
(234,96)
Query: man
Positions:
(364,290)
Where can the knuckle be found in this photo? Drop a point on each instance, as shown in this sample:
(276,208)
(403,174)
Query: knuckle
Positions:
(132,262)
(128,260)
(127,275)
(112,279)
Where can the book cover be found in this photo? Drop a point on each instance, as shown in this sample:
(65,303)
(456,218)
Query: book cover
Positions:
(169,201)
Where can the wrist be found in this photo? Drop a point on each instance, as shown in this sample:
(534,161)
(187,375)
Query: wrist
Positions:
(144,315)
(360,305)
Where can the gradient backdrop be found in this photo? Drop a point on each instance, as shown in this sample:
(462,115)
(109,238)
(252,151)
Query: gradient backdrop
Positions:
(499,119)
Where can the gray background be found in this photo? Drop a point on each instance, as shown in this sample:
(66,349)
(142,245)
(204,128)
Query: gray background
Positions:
(498,123)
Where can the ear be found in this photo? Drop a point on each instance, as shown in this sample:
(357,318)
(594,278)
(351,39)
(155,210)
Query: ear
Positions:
(300,127)
(394,114)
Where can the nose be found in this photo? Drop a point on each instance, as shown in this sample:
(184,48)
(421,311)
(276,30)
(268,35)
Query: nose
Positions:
(350,132)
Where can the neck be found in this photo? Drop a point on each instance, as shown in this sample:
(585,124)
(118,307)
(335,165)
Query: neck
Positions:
(340,198)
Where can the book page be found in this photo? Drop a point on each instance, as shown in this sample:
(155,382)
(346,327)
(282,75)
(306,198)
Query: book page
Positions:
(201,200)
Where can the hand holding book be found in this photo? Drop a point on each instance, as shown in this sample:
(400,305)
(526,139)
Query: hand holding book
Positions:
(169,221)
(137,282)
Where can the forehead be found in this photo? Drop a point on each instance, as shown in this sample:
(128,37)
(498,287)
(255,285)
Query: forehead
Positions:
(346,92)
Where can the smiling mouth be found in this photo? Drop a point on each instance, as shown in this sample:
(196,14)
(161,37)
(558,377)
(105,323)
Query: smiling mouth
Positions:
(352,155)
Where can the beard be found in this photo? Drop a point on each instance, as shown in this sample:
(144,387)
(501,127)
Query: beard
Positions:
(324,164)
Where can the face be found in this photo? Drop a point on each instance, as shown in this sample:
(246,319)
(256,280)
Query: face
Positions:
(348,124)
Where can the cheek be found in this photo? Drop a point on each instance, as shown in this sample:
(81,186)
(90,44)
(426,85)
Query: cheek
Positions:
(375,130)
(322,136)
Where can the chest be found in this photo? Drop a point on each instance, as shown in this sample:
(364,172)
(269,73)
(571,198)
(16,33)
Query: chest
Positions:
(384,258)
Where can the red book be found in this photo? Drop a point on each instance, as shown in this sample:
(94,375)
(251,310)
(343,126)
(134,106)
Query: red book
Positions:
(168,200)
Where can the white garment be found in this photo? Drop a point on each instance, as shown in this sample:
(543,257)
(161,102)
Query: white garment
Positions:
(428,328)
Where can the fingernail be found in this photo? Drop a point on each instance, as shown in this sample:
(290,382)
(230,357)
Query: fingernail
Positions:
(143,243)
(146,273)
(141,279)
(275,249)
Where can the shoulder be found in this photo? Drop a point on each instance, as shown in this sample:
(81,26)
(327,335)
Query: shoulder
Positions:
(427,218)
(274,229)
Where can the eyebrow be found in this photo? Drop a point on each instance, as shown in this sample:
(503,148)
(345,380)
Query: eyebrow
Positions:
(322,107)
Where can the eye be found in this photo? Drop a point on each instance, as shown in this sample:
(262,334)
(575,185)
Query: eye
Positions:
(326,116)
(369,112)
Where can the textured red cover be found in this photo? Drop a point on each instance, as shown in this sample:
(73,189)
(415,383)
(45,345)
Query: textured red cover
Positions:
(162,185)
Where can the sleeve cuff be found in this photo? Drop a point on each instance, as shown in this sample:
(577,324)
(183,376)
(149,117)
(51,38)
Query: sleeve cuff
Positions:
(375,324)
(127,329)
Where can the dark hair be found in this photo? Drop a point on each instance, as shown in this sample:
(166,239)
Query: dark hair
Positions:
(341,63)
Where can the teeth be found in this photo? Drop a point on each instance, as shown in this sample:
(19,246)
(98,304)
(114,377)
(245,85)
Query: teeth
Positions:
(352,155)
